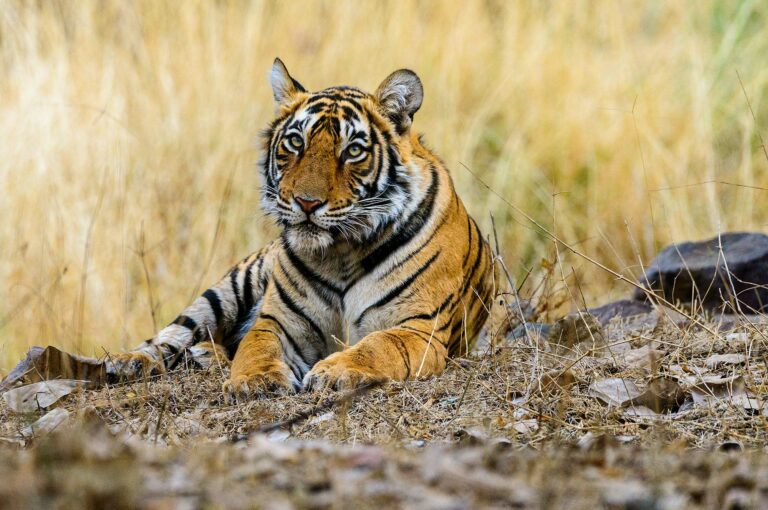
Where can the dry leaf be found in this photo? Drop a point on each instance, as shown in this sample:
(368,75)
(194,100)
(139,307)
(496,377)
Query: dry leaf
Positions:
(555,380)
(321,418)
(47,424)
(33,397)
(640,412)
(644,358)
(614,391)
(719,380)
(596,441)
(750,403)
(713,388)
(717,360)
(663,395)
(46,364)
(526,426)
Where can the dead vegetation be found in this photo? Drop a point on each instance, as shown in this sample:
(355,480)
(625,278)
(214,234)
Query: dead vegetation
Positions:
(658,410)
(128,129)
(652,411)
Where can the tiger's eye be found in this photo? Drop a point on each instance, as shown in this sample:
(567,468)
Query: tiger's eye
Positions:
(296,141)
(354,151)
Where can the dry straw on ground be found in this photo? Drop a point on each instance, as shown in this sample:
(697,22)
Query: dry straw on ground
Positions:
(531,422)
(127,133)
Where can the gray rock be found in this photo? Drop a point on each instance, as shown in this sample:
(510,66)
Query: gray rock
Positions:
(696,271)
(623,309)
(731,321)
(534,328)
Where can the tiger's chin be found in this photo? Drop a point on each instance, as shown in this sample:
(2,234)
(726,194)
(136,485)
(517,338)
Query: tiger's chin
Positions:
(308,237)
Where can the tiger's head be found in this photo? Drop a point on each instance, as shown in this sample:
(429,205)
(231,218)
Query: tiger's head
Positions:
(336,163)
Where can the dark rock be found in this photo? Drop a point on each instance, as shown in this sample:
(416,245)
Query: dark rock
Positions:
(623,309)
(695,273)
(506,321)
(534,328)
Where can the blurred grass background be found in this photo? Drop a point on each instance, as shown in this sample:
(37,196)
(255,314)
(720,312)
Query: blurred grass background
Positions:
(127,135)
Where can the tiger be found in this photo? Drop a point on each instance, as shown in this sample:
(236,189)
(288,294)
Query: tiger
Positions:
(379,272)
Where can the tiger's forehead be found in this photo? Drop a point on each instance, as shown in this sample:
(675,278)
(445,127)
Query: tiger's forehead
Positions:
(338,110)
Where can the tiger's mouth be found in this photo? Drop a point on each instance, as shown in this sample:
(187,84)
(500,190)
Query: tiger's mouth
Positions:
(308,227)
(308,236)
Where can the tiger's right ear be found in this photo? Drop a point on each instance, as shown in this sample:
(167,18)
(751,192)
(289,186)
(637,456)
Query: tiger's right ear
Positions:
(400,96)
(284,87)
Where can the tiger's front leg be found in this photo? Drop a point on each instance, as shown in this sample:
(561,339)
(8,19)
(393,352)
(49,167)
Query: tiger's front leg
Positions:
(206,327)
(400,353)
(259,367)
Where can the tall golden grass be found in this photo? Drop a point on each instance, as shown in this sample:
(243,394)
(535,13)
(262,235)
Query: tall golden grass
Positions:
(127,136)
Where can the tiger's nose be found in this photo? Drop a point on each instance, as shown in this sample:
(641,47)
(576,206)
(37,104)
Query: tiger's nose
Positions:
(308,204)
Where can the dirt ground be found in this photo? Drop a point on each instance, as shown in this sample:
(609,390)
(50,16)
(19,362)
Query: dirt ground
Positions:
(647,413)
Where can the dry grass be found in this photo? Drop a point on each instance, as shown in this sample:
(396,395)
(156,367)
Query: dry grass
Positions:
(496,430)
(527,379)
(618,125)
(126,135)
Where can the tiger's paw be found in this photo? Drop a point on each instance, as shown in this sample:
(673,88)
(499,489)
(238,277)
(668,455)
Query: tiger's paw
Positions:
(338,372)
(207,354)
(133,365)
(249,384)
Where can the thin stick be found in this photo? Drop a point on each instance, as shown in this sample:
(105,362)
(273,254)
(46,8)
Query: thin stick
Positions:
(142,253)
(160,416)
(754,117)
(319,408)
(86,257)
(225,199)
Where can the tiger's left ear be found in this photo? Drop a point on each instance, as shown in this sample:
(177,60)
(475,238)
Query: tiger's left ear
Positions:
(284,87)
(399,97)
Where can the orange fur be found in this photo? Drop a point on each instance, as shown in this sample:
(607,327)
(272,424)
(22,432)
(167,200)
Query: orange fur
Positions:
(378,253)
